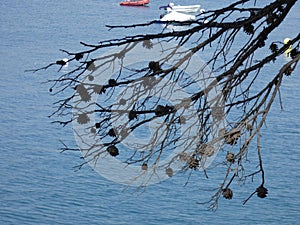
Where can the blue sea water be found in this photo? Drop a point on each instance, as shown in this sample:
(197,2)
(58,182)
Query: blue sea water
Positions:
(38,184)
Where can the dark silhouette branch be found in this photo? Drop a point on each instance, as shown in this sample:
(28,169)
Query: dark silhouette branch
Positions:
(158,98)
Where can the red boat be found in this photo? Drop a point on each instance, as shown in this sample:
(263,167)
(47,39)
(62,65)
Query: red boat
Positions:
(135,2)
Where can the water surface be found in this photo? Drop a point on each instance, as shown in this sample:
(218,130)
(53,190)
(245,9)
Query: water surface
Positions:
(38,184)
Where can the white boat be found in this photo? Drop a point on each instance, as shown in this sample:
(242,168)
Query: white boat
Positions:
(181,8)
(174,16)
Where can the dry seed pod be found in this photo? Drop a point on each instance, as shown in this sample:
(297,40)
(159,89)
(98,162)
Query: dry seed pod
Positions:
(184,157)
(169,172)
(112,132)
(132,115)
(193,163)
(209,151)
(205,150)
(122,101)
(227,193)
(182,120)
(262,191)
(249,127)
(201,149)
(230,157)
(113,150)
(83,93)
(83,118)
(98,89)
(232,136)
(91,77)
(144,166)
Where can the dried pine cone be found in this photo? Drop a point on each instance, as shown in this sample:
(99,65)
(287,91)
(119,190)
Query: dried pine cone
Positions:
(230,157)
(113,150)
(288,71)
(147,44)
(274,48)
(169,172)
(98,89)
(249,29)
(217,112)
(154,66)
(90,65)
(122,101)
(61,62)
(112,132)
(249,127)
(93,130)
(294,52)
(83,93)
(271,18)
(91,77)
(182,120)
(205,150)
(161,110)
(112,82)
(261,43)
(79,56)
(144,166)
(186,103)
(132,115)
(232,136)
(149,81)
(262,191)
(184,156)
(227,193)
(193,163)
(83,118)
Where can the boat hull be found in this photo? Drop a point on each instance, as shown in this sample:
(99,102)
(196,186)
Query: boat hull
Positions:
(177,17)
(135,3)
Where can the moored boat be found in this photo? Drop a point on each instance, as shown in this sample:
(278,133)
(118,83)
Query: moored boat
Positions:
(181,8)
(135,2)
(174,16)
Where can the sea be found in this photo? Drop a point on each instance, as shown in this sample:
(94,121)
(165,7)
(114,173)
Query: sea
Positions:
(41,185)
